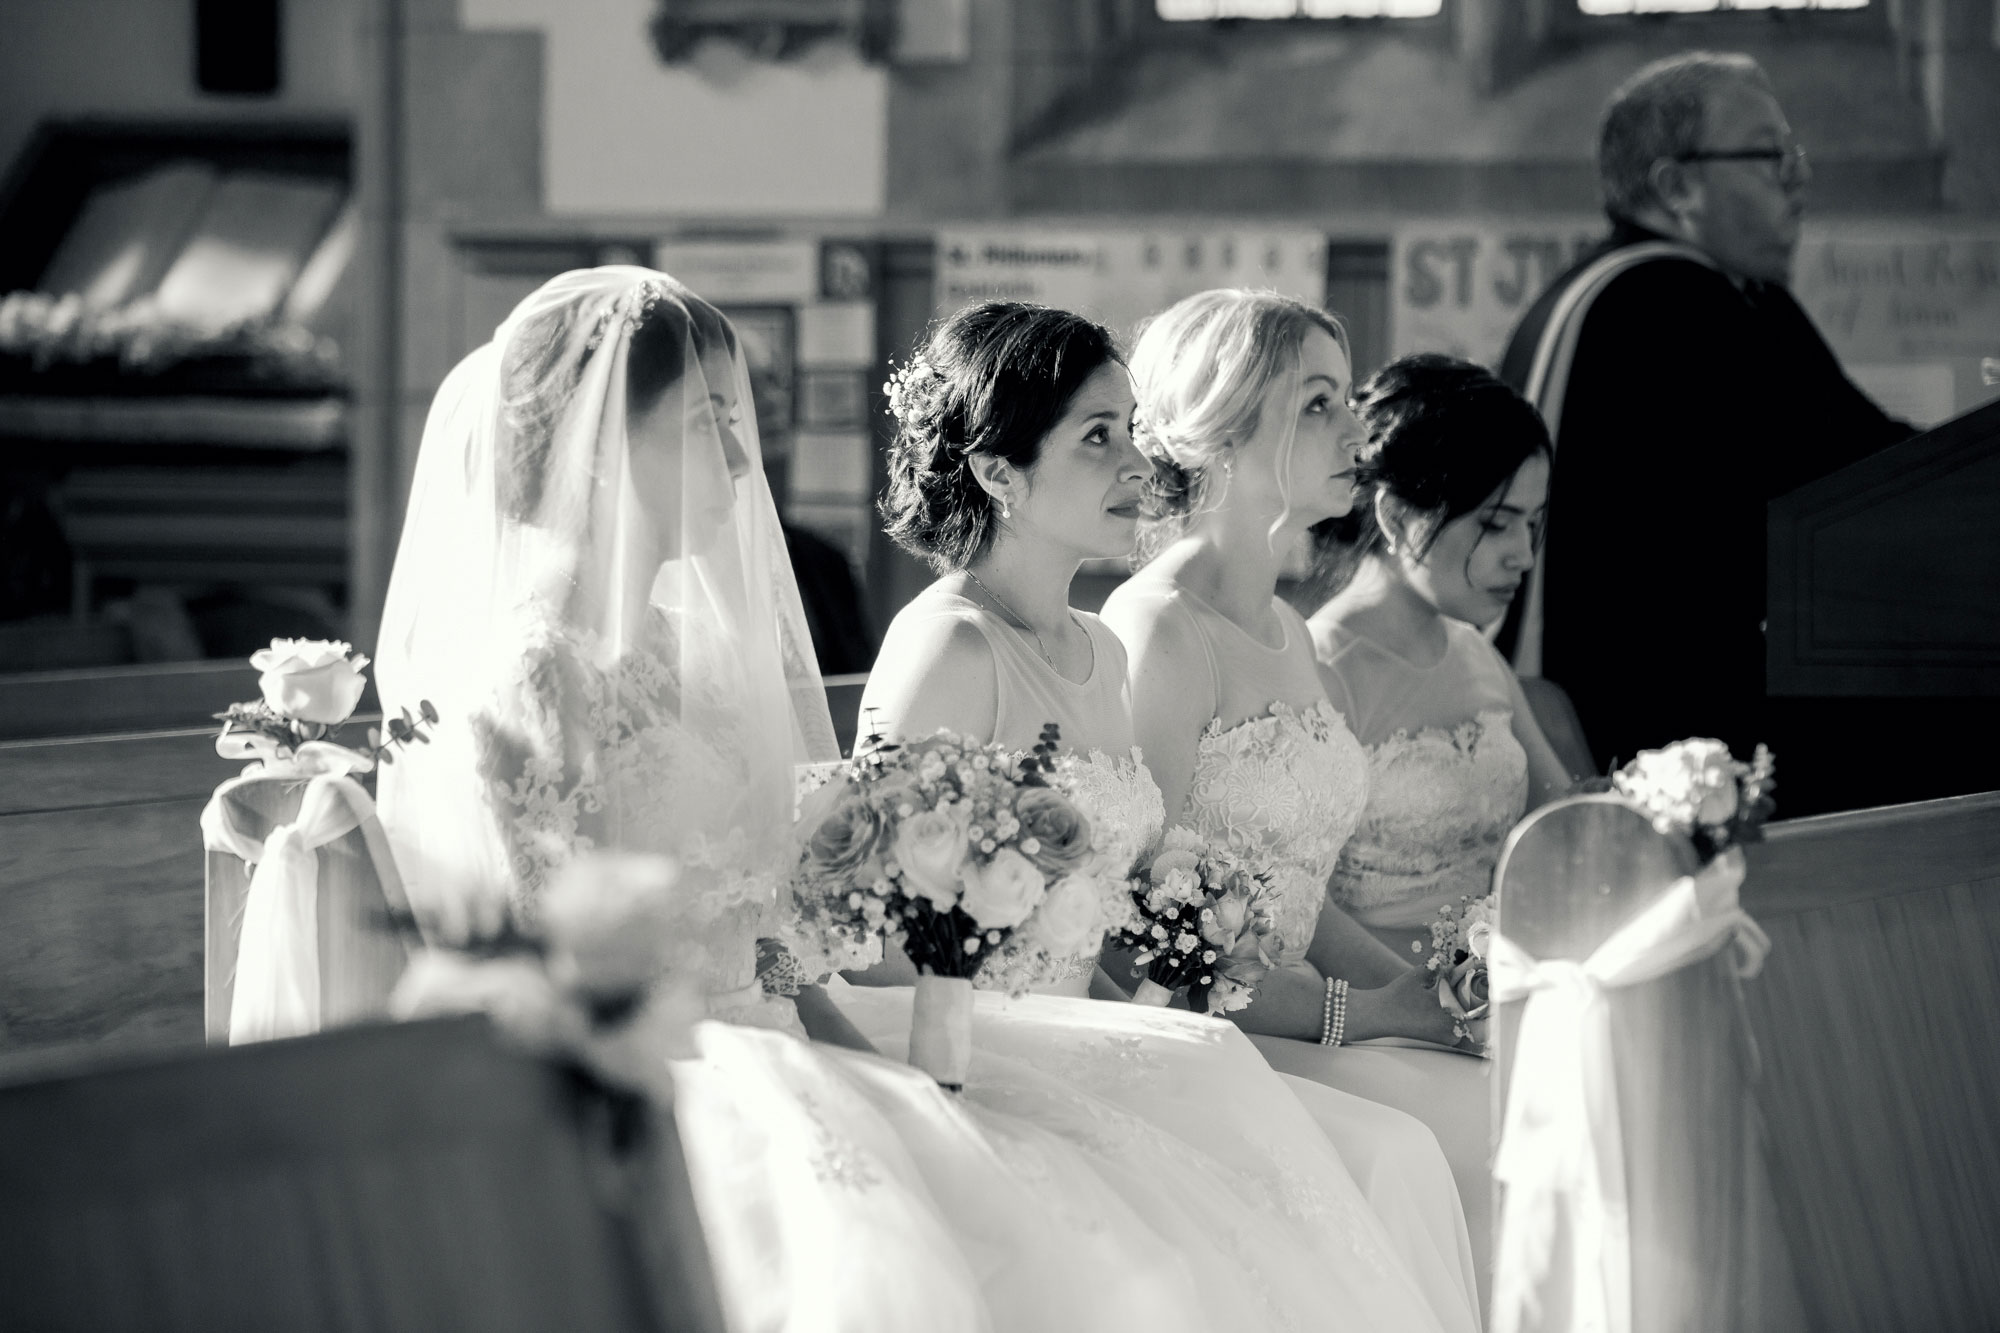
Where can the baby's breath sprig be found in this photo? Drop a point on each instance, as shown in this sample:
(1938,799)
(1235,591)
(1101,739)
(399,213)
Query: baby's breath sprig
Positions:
(911,389)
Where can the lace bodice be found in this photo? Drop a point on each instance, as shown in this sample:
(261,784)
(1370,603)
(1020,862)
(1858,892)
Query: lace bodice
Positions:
(1286,790)
(1440,803)
(1447,777)
(577,755)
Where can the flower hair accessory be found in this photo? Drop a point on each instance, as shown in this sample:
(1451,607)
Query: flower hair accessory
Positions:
(914,390)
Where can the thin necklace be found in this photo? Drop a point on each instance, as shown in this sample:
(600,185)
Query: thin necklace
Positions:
(1001,603)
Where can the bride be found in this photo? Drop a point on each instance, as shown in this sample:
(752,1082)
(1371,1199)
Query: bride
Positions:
(1242,402)
(1013,462)
(593,593)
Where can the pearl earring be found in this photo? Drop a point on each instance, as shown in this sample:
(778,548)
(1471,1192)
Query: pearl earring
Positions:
(1005,512)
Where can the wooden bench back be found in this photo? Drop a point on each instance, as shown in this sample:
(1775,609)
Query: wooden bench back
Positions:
(1875,1016)
(1706,1253)
(360,954)
(416,1176)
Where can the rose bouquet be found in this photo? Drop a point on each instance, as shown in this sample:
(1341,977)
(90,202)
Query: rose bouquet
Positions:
(1697,789)
(1459,936)
(310,689)
(1201,920)
(947,850)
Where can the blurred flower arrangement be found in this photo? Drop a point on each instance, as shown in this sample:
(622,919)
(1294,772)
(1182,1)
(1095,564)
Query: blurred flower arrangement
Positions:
(948,850)
(1459,937)
(310,690)
(1697,789)
(51,331)
(604,977)
(1202,921)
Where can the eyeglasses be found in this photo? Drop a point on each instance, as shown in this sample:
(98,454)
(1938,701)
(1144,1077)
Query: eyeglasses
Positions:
(1785,162)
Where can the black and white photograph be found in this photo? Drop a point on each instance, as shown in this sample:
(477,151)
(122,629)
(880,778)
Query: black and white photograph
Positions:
(999,666)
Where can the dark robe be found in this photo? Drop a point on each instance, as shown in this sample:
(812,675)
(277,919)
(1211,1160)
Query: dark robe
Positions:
(1691,402)
(843,640)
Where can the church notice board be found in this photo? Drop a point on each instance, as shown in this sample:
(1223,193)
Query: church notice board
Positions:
(1119,277)
(1911,308)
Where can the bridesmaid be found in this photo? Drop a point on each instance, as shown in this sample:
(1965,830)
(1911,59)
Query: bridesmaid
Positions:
(1242,406)
(1459,486)
(1014,462)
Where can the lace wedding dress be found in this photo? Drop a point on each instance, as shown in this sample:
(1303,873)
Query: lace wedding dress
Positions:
(1250,1170)
(1289,787)
(593,594)
(1447,780)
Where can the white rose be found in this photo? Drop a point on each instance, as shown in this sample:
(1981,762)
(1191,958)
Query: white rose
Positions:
(1718,803)
(1477,936)
(1069,917)
(311,680)
(610,921)
(930,847)
(1003,892)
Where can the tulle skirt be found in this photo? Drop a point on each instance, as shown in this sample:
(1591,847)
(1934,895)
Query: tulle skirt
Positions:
(1448,1092)
(845,1193)
(1244,1174)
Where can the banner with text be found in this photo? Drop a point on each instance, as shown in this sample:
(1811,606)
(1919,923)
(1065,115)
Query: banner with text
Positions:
(1120,277)
(1912,310)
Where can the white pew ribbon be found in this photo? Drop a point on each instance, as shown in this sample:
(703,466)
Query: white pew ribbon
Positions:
(1562,1152)
(277,992)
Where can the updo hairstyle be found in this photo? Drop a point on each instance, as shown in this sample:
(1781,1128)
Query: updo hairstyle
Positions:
(1201,371)
(993,379)
(545,357)
(1443,436)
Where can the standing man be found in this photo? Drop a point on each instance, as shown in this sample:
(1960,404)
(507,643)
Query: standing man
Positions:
(1685,388)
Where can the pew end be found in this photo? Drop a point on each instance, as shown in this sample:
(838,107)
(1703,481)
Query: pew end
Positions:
(361,953)
(1875,1015)
(409,1176)
(1706,1251)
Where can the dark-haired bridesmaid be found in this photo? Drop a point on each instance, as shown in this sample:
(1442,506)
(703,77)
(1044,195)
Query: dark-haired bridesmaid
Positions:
(1456,485)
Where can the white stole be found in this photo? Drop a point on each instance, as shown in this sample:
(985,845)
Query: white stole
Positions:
(1562,1152)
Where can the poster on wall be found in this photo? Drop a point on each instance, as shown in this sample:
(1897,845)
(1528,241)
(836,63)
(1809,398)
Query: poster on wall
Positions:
(1120,277)
(1459,287)
(1911,309)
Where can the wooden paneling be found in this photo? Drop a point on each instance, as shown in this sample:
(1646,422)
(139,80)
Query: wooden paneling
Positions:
(1885,577)
(397,1177)
(69,772)
(1705,1246)
(94,701)
(1874,1019)
(101,924)
(101,887)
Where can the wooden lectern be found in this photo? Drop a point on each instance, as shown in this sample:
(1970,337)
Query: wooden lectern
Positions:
(1882,643)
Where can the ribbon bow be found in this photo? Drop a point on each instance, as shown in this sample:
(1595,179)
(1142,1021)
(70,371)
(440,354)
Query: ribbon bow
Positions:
(277,991)
(1562,1150)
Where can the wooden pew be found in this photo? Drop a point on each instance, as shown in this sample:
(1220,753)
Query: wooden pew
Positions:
(1871,1066)
(102,926)
(360,896)
(1705,1248)
(1875,1018)
(101,887)
(419,1176)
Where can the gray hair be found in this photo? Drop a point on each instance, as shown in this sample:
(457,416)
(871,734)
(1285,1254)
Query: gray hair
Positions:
(1662,111)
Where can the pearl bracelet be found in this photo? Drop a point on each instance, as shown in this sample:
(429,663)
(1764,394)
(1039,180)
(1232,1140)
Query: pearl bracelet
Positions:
(1333,1016)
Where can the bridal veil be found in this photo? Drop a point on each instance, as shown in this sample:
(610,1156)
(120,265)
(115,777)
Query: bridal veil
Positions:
(592,475)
